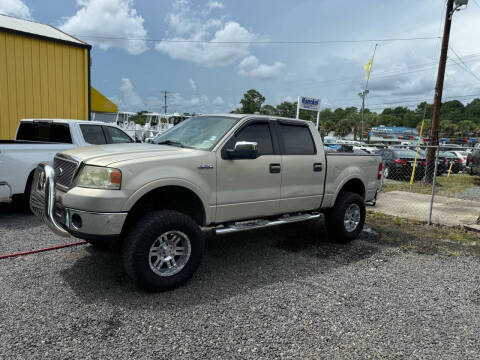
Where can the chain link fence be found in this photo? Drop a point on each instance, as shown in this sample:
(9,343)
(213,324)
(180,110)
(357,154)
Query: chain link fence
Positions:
(446,192)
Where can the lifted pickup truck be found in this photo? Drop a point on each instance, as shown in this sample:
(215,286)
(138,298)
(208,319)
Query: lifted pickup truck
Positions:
(225,173)
(39,140)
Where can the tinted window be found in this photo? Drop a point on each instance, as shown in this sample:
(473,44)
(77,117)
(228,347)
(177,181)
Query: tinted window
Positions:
(93,134)
(116,136)
(388,154)
(405,153)
(44,131)
(297,140)
(257,132)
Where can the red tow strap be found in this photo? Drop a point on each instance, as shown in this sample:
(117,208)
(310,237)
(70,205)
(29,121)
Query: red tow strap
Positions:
(41,250)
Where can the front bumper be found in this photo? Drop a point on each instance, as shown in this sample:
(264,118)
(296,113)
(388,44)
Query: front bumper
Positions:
(65,221)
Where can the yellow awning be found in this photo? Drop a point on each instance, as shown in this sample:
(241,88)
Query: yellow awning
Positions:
(100,103)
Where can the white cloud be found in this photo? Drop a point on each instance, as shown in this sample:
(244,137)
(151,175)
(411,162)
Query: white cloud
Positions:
(193,85)
(208,54)
(15,8)
(218,101)
(130,100)
(108,23)
(214,5)
(251,67)
(192,30)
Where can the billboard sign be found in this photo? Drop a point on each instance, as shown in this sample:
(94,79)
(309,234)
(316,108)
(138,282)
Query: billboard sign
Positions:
(308,103)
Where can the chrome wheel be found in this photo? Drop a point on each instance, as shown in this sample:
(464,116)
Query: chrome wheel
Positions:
(169,253)
(386,172)
(352,217)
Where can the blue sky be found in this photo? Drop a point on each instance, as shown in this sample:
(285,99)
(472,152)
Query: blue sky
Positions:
(205,77)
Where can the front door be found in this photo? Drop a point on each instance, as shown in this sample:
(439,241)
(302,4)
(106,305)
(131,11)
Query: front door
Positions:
(249,188)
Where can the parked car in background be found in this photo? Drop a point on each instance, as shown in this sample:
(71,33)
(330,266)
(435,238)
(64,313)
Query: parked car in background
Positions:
(398,164)
(474,168)
(442,162)
(451,162)
(462,156)
(38,140)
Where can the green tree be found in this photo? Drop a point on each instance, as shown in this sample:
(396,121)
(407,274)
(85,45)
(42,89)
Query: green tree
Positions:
(465,128)
(140,117)
(447,128)
(268,110)
(326,127)
(343,128)
(421,109)
(252,102)
(287,109)
(472,110)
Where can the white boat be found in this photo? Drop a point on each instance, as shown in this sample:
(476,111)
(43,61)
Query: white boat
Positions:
(155,123)
(158,123)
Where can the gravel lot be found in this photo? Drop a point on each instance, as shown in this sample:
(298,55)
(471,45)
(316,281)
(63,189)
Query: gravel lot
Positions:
(277,293)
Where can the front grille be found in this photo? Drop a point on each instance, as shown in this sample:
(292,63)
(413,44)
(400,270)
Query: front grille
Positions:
(64,172)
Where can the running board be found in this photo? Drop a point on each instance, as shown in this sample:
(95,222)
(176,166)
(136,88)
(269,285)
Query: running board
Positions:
(258,224)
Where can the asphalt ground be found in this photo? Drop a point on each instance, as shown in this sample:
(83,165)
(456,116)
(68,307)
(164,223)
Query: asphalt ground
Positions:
(286,292)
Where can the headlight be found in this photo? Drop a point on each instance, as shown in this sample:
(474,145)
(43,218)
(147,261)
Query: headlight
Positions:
(98,177)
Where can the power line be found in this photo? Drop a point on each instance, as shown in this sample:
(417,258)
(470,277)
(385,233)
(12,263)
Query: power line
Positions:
(259,42)
(465,65)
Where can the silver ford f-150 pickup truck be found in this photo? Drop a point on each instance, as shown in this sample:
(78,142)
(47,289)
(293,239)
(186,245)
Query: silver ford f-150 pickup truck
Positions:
(222,173)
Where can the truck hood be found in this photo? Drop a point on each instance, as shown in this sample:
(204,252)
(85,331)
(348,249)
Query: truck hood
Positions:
(105,155)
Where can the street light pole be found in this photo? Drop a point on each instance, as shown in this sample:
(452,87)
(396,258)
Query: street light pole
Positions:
(362,95)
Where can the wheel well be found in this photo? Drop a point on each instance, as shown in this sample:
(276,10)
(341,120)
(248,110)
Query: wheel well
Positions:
(168,197)
(28,184)
(354,185)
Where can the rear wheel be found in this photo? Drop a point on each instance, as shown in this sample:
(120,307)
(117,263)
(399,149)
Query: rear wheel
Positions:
(346,219)
(163,250)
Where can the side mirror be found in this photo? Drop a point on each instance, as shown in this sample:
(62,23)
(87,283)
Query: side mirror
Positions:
(244,150)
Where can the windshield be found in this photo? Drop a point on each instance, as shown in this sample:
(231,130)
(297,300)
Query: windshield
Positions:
(201,132)
(405,153)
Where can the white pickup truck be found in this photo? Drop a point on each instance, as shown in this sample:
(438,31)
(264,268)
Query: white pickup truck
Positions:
(38,140)
(225,173)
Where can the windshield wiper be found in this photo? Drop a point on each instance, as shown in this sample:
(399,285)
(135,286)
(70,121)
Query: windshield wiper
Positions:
(171,142)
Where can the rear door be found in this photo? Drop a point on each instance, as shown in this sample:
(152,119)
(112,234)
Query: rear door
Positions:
(249,188)
(303,166)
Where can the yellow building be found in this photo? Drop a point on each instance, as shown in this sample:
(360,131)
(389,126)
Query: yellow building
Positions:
(44,73)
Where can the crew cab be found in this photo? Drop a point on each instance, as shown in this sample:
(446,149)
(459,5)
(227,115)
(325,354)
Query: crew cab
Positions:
(219,173)
(38,140)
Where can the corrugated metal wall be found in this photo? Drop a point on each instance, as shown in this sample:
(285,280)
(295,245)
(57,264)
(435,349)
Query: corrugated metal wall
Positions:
(40,79)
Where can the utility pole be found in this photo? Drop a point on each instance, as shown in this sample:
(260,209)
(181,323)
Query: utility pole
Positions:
(437,101)
(165,92)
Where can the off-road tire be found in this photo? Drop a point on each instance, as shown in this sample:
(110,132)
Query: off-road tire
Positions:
(144,233)
(334,218)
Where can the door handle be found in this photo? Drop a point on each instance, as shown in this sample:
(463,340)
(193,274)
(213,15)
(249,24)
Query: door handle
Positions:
(275,168)
(317,167)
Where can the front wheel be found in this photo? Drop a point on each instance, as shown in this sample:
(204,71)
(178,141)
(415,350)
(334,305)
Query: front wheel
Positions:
(346,219)
(163,250)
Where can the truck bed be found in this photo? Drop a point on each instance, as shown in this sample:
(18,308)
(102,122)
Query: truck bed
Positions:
(344,166)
